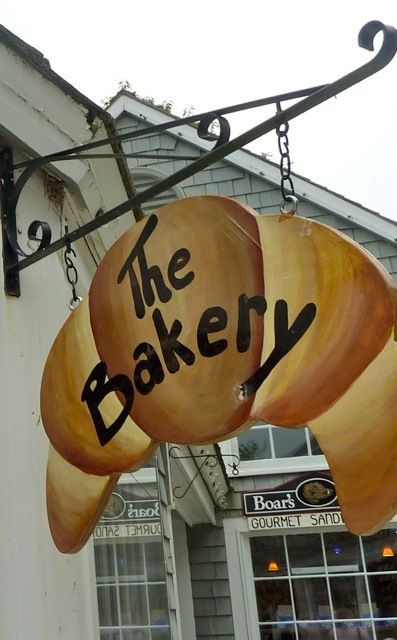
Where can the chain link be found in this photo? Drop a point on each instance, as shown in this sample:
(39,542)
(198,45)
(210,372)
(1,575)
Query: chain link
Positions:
(289,204)
(71,273)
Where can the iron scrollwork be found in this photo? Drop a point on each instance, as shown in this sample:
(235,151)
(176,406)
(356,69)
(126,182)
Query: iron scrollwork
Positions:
(41,232)
(203,459)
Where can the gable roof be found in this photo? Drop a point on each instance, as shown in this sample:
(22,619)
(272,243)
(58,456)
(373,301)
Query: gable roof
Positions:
(36,59)
(306,190)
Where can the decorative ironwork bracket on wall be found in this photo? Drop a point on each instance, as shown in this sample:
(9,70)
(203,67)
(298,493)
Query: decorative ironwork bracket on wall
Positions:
(14,257)
(205,459)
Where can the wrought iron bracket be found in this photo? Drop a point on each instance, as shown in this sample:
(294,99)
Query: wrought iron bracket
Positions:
(15,259)
(203,459)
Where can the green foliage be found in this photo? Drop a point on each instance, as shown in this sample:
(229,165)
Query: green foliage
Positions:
(125,85)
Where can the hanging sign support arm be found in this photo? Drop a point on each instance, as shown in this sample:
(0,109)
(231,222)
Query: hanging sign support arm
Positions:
(10,192)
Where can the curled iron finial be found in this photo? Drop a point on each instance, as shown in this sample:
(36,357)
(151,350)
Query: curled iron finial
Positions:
(205,133)
(387,50)
(367,35)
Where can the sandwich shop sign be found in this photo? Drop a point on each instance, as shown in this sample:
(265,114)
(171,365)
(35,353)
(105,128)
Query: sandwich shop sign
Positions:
(129,518)
(203,319)
(306,502)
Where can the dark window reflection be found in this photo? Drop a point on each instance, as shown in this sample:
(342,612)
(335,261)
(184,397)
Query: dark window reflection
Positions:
(311,599)
(154,562)
(161,634)
(386,629)
(158,604)
(133,607)
(268,556)
(278,632)
(322,631)
(107,605)
(254,444)
(342,551)
(383,590)
(349,597)
(380,551)
(104,563)
(274,600)
(289,442)
(130,563)
(135,634)
(305,554)
(358,630)
(107,634)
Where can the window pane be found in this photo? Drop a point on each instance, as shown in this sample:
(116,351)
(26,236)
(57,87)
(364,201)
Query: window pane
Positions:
(386,629)
(158,604)
(135,634)
(305,554)
(316,631)
(380,551)
(359,630)
(154,562)
(161,634)
(268,556)
(133,606)
(278,632)
(130,563)
(289,442)
(349,597)
(109,634)
(274,600)
(104,563)
(107,606)
(342,551)
(383,590)
(314,446)
(254,444)
(311,599)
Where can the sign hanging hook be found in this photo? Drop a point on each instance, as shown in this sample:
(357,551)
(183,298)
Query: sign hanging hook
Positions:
(71,273)
(289,204)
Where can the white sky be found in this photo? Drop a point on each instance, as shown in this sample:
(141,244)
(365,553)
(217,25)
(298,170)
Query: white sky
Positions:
(212,54)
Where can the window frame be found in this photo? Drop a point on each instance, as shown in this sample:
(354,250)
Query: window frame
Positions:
(241,575)
(266,466)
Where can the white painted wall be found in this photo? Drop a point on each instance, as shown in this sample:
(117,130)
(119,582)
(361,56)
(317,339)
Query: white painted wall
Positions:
(44,595)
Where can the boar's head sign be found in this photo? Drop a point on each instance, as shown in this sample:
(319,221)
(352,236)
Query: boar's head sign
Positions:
(204,319)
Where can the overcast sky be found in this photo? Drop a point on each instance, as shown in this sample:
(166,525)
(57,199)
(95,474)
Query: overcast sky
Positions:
(211,54)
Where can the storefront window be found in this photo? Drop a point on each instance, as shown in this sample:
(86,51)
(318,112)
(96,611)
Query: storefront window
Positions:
(329,586)
(131,588)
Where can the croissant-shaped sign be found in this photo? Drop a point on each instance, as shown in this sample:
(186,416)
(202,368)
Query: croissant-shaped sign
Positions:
(205,318)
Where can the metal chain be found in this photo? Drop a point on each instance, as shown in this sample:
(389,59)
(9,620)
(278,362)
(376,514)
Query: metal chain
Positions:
(71,273)
(290,202)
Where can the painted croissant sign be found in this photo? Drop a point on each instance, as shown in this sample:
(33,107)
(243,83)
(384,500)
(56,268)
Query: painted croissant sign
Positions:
(205,318)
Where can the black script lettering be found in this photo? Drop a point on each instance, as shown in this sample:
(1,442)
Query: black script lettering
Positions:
(170,344)
(152,367)
(148,274)
(245,304)
(177,262)
(213,320)
(285,338)
(94,396)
